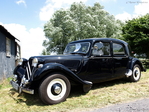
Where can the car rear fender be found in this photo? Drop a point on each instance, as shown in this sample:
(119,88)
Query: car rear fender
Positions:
(135,61)
(131,64)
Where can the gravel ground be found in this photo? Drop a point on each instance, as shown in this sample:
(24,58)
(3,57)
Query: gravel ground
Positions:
(141,105)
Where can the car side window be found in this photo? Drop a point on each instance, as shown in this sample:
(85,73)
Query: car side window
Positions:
(118,49)
(101,49)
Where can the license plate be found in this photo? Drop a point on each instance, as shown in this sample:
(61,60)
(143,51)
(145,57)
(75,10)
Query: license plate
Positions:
(15,85)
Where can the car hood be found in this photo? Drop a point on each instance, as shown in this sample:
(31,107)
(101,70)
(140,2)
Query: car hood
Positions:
(70,61)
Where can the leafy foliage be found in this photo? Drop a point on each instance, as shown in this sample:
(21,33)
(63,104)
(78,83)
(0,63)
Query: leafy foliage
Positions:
(44,52)
(136,33)
(79,22)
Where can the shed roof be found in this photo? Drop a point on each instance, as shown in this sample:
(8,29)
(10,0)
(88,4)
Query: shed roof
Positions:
(4,31)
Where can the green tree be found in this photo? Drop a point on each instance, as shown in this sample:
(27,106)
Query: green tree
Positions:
(79,22)
(136,33)
(44,52)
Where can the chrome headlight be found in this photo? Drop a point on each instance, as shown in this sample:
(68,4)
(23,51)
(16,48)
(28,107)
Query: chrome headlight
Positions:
(20,61)
(35,62)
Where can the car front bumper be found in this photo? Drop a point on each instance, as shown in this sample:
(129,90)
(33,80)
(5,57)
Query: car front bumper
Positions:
(20,89)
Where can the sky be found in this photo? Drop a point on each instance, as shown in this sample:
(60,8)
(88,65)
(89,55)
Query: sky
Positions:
(25,19)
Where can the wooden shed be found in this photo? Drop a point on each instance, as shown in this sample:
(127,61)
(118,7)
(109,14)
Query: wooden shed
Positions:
(9,53)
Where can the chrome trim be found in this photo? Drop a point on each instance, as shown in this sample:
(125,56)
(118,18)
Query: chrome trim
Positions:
(29,69)
(24,80)
(27,73)
(29,91)
(40,65)
(14,85)
(14,78)
(100,57)
(20,61)
(21,89)
(128,73)
(34,62)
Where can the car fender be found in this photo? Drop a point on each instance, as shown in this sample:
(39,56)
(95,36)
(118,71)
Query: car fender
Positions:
(131,64)
(54,67)
(136,61)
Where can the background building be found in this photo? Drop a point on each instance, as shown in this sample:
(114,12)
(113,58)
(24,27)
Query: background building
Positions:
(9,53)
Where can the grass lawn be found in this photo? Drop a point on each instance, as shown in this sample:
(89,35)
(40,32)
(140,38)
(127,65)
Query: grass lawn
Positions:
(100,95)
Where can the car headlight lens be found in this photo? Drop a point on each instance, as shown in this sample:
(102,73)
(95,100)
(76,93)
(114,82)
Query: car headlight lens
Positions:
(35,62)
(20,61)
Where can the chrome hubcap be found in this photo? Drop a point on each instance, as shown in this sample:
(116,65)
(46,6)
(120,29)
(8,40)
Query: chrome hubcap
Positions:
(56,89)
(136,73)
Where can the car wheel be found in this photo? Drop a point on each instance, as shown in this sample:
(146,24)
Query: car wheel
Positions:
(54,89)
(136,74)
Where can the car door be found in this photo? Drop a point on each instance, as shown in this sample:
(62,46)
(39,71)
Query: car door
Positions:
(100,62)
(120,58)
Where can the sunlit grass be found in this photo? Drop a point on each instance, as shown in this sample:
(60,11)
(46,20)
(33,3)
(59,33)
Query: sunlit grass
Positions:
(101,95)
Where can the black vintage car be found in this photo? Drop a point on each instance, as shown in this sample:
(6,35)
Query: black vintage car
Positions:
(83,63)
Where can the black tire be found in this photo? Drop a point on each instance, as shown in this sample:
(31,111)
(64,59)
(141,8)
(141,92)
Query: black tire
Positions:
(54,89)
(136,74)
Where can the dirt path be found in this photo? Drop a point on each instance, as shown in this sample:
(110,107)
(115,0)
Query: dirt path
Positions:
(141,105)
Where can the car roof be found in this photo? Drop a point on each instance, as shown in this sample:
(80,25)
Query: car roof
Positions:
(101,39)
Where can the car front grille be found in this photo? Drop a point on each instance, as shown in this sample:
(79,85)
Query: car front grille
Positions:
(28,71)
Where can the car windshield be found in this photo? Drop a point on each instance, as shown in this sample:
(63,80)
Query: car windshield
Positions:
(77,48)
